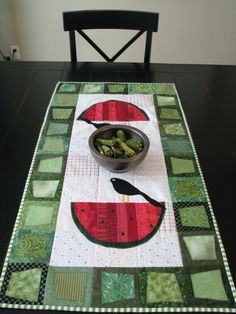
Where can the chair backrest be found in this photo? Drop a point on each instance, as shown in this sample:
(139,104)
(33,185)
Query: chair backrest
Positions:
(110,19)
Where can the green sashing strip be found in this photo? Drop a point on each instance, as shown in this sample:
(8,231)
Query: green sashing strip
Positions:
(154,87)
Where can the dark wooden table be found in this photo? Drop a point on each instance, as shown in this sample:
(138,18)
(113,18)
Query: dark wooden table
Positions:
(208,96)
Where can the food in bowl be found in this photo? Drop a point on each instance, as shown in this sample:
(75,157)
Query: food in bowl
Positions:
(118,158)
(119,146)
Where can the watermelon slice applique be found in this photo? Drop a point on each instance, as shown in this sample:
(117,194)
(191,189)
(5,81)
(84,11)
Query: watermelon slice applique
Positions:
(114,110)
(120,225)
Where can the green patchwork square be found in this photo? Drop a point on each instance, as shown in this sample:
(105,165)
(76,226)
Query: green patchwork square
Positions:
(25,285)
(116,88)
(31,245)
(68,88)
(45,188)
(209,285)
(139,88)
(187,189)
(57,128)
(174,129)
(69,286)
(52,165)
(53,145)
(91,88)
(165,100)
(178,147)
(164,88)
(182,166)
(194,216)
(39,215)
(61,113)
(64,100)
(116,287)
(171,114)
(162,287)
(201,247)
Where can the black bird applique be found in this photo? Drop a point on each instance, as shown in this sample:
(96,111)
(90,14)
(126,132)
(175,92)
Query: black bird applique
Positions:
(123,187)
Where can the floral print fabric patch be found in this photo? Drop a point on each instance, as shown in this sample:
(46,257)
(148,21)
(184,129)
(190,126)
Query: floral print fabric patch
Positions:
(78,245)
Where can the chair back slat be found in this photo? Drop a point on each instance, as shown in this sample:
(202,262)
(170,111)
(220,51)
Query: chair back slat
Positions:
(110,19)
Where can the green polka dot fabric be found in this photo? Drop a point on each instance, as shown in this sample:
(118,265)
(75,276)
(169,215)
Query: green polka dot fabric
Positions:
(51,265)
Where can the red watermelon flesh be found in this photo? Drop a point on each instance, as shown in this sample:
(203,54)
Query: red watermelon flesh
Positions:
(117,224)
(114,110)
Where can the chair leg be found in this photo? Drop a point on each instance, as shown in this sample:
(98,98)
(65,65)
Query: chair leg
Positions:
(73,54)
(148,47)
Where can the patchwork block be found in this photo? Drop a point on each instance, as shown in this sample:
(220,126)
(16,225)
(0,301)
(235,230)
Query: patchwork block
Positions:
(25,284)
(92,88)
(178,147)
(68,88)
(165,100)
(201,247)
(57,128)
(53,145)
(163,287)
(70,286)
(174,129)
(61,113)
(45,188)
(209,285)
(164,89)
(194,216)
(171,114)
(116,88)
(182,166)
(31,245)
(64,100)
(116,287)
(53,165)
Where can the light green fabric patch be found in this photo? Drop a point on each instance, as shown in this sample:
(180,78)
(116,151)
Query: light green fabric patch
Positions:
(45,188)
(53,145)
(189,188)
(67,87)
(165,89)
(209,285)
(201,247)
(116,88)
(31,245)
(39,215)
(139,88)
(53,165)
(64,100)
(163,287)
(165,101)
(179,147)
(116,287)
(194,216)
(25,285)
(93,88)
(70,286)
(180,165)
(61,113)
(57,128)
(170,114)
(174,129)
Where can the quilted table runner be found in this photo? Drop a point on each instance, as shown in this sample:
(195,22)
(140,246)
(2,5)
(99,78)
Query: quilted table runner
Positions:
(81,242)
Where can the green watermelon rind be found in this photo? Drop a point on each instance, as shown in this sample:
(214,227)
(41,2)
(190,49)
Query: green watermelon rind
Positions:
(120,245)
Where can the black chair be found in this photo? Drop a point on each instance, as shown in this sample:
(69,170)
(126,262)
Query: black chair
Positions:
(130,20)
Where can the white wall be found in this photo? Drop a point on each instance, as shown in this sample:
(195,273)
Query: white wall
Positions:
(7,28)
(190,31)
